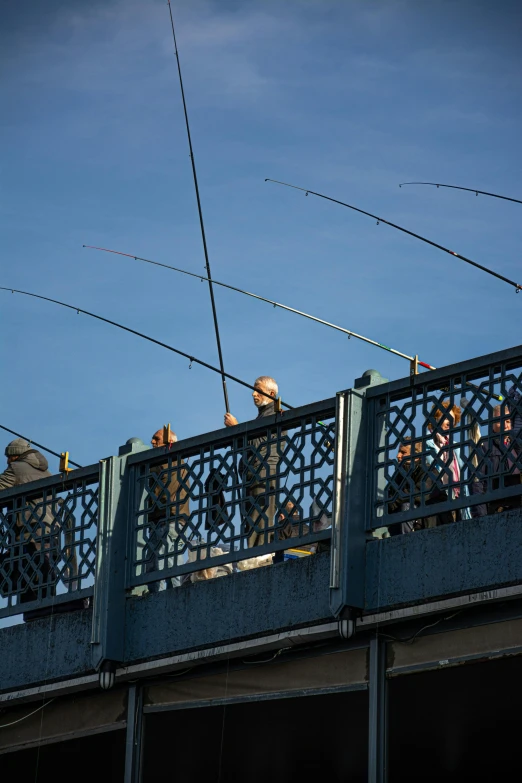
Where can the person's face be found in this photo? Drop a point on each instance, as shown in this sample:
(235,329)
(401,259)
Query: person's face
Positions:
(292,514)
(261,399)
(505,426)
(404,452)
(446,423)
(157,439)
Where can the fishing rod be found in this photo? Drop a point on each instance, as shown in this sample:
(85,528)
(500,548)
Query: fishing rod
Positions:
(29,440)
(144,337)
(517,286)
(201,223)
(458,187)
(272,302)
(414,360)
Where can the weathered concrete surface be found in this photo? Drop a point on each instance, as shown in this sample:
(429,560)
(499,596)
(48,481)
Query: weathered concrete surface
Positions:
(52,648)
(248,604)
(479,554)
(252,603)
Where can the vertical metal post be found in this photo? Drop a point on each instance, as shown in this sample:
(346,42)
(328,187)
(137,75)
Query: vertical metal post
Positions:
(133,742)
(378,718)
(351,497)
(108,622)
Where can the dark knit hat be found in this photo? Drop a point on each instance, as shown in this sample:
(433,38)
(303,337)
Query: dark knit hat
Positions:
(17,447)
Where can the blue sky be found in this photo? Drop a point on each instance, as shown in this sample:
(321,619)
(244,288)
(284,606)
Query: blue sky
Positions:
(347,98)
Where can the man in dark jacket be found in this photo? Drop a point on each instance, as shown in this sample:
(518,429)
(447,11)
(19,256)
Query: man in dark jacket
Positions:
(32,535)
(259,466)
(501,458)
(407,481)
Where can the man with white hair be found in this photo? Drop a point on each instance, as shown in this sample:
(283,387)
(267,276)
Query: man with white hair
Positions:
(259,466)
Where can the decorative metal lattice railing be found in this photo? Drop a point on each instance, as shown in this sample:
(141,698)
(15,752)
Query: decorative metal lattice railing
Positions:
(444,446)
(261,487)
(48,541)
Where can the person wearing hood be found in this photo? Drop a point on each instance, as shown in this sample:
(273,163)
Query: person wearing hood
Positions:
(258,467)
(501,458)
(29,531)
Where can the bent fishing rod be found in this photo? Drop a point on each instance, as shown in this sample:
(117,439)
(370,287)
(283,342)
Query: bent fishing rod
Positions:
(412,359)
(201,223)
(188,356)
(516,286)
(458,187)
(34,443)
(269,301)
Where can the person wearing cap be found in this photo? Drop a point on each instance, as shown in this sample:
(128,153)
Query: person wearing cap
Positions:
(31,528)
(24,464)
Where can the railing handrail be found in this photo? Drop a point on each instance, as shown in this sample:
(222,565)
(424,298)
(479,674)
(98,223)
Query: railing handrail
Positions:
(57,479)
(222,437)
(468,367)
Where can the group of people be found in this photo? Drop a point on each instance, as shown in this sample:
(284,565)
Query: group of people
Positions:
(429,471)
(435,469)
(261,519)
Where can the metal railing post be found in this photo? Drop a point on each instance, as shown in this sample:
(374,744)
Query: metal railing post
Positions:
(108,622)
(350,498)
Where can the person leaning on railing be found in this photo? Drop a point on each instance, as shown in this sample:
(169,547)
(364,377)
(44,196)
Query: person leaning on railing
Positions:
(501,455)
(258,466)
(170,493)
(439,450)
(34,531)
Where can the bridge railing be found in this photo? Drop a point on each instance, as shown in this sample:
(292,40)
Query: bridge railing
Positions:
(48,532)
(211,501)
(446,445)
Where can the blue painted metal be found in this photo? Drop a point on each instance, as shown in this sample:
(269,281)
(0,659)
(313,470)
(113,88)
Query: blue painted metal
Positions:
(264,467)
(365,574)
(350,497)
(412,411)
(108,621)
(48,538)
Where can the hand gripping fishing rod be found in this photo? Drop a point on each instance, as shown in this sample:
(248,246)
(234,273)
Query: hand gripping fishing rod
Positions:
(272,302)
(516,286)
(29,440)
(139,334)
(202,225)
(458,187)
